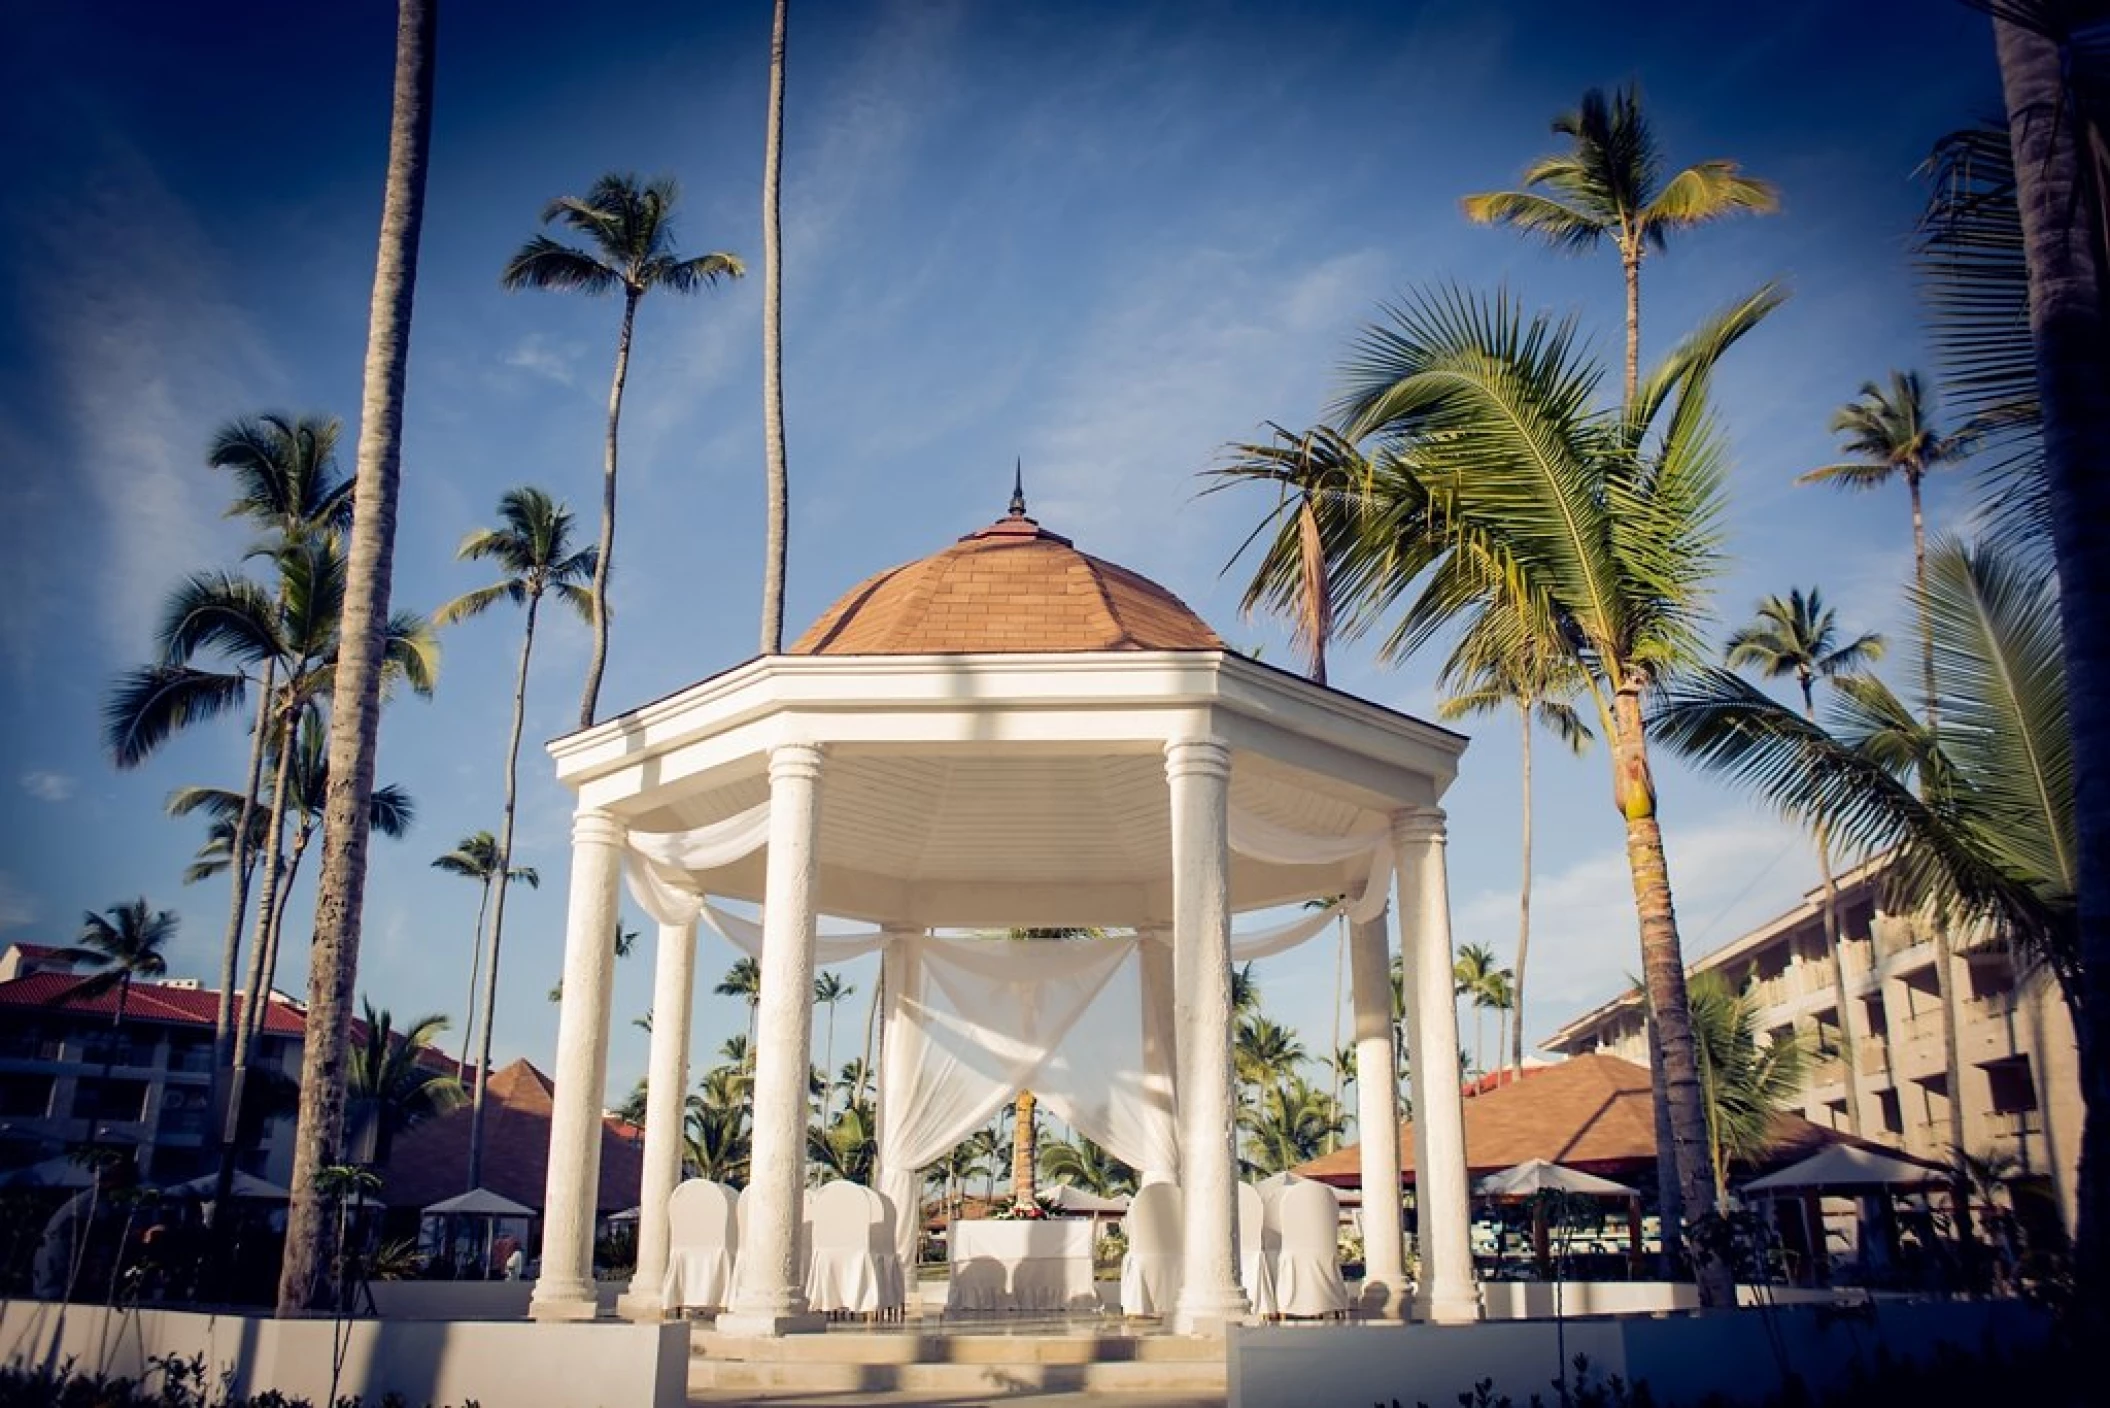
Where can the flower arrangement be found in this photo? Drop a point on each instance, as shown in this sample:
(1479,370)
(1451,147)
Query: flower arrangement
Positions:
(1027,1212)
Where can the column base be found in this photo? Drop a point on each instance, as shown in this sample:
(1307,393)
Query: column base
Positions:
(1384,1300)
(770,1325)
(1449,1307)
(642,1307)
(1211,1316)
(563,1303)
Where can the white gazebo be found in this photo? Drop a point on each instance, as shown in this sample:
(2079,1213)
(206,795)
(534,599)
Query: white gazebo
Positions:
(1010,734)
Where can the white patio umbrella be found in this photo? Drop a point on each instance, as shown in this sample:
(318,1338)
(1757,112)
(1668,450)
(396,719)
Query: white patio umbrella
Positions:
(1845,1169)
(481,1205)
(245,1185)
(1545,1176)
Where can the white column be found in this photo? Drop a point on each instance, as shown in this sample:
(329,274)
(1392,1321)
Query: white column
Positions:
(1385,1293)
(1445,1291)
(771,1296)
(666,1086)
(565,1289)
(1199,772)
(1160,1035)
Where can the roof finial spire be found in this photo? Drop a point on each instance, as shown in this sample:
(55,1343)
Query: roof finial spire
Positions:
(1018,488)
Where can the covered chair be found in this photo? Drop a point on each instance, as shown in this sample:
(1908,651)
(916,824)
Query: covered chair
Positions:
(1150,1270)
(844,1272)
(1308,1266)
(1256,1261)
(702,1242)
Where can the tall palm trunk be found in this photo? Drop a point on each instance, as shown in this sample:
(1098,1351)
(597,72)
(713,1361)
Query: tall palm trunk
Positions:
(1630,263)
(301,836)
(1919,582)
(1023,1191)
(604,563)
(776,549)
(498,887)
(476,963)
(1516,1030)
(1663,971)
(355,712)
(268,909)
(872,1029)
(1849,1039)
(2057,190)
(242,865)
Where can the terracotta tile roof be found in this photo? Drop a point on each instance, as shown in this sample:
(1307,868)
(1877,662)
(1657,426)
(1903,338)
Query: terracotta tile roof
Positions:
(147,1002)
(1593,1113)
(1012,587)
(431,1162)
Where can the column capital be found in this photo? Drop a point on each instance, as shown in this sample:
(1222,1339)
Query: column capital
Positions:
(1418,824)
(1209,757)
(795,760)
(592,826)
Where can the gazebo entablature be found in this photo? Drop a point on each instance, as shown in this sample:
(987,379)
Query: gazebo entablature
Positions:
(1159,790)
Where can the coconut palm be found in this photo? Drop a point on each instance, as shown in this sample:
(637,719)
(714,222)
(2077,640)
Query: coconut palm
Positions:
(1609,186)
(531,547)
(1264,1052)
(1492,669)
(389,1089)
(846,1148)
(1500,480)
(1891,435)
(715,1141)
(1025,1128)
(1799,636)
(1478,977)
(744,981)
(2051,73)
(828,990)
(286,482)
(1314,475)
(475,857)
(1085,1166)
(1746,1084)
(1294,1123)
(355,715)
(628,230)
(125,943)
(776,547)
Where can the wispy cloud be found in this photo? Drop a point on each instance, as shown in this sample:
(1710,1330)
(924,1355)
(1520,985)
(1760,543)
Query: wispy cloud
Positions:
(17,910)
(48,786)
(542,356)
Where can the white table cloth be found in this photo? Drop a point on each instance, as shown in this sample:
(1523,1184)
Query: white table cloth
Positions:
(698,1278)
(840,1279)
(1021,1265)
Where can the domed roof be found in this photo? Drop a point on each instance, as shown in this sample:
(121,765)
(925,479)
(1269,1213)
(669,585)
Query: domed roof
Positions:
(1013,587)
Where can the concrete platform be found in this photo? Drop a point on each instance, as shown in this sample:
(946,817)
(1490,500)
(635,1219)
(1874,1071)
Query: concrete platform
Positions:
(970,1359)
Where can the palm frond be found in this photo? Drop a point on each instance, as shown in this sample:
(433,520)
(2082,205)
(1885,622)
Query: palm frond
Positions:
(148,704)
(1563,226)
(545,264)
(475,603)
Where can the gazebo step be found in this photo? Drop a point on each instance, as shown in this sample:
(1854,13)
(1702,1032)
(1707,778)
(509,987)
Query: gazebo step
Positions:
(854,1347)
(965,1378)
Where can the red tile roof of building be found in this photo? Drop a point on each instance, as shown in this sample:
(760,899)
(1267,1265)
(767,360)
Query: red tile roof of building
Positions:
(146,1002)
(431,1162)
(1012,587)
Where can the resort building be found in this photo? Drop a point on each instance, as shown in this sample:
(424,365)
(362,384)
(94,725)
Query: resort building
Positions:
(2021,1083)
(71,1076)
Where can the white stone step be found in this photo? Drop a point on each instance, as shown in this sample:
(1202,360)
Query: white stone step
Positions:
(968,1378)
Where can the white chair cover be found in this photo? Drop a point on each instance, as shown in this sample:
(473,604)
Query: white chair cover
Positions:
(1308,1265)
(1256,1262)
(893,1277)
(842,1274)
(702,1239)
(1150,1271)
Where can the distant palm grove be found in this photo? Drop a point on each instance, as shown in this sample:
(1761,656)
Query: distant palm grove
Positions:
(1548,527)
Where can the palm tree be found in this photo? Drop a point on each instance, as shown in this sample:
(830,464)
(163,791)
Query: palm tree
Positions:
(1891,436)
(389,1090)
(776,549)
(1599,529)
(1799,636)
(1264,1052)
(846,1148)
(744,981)
(355,715)
(828,990)
(475,857)
(628,229)
(1491,669)
(1745,1083)
(1086,1166)
(1609,185)
(286,480)
(1477,976)
(1314,475)
(532,547)
(1025,1129)
(2056,124)
(126,946)
(1293,1124)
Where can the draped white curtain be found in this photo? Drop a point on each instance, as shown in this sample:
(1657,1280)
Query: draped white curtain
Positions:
(1085,1024)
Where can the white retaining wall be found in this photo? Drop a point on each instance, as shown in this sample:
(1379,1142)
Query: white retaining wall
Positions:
(1682,1358)
(517,1364)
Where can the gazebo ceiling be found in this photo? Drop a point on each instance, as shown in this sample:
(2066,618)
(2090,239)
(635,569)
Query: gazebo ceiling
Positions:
(994,720)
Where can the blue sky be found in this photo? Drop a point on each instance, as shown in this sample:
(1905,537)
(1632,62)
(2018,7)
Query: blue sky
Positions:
(1105,238)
